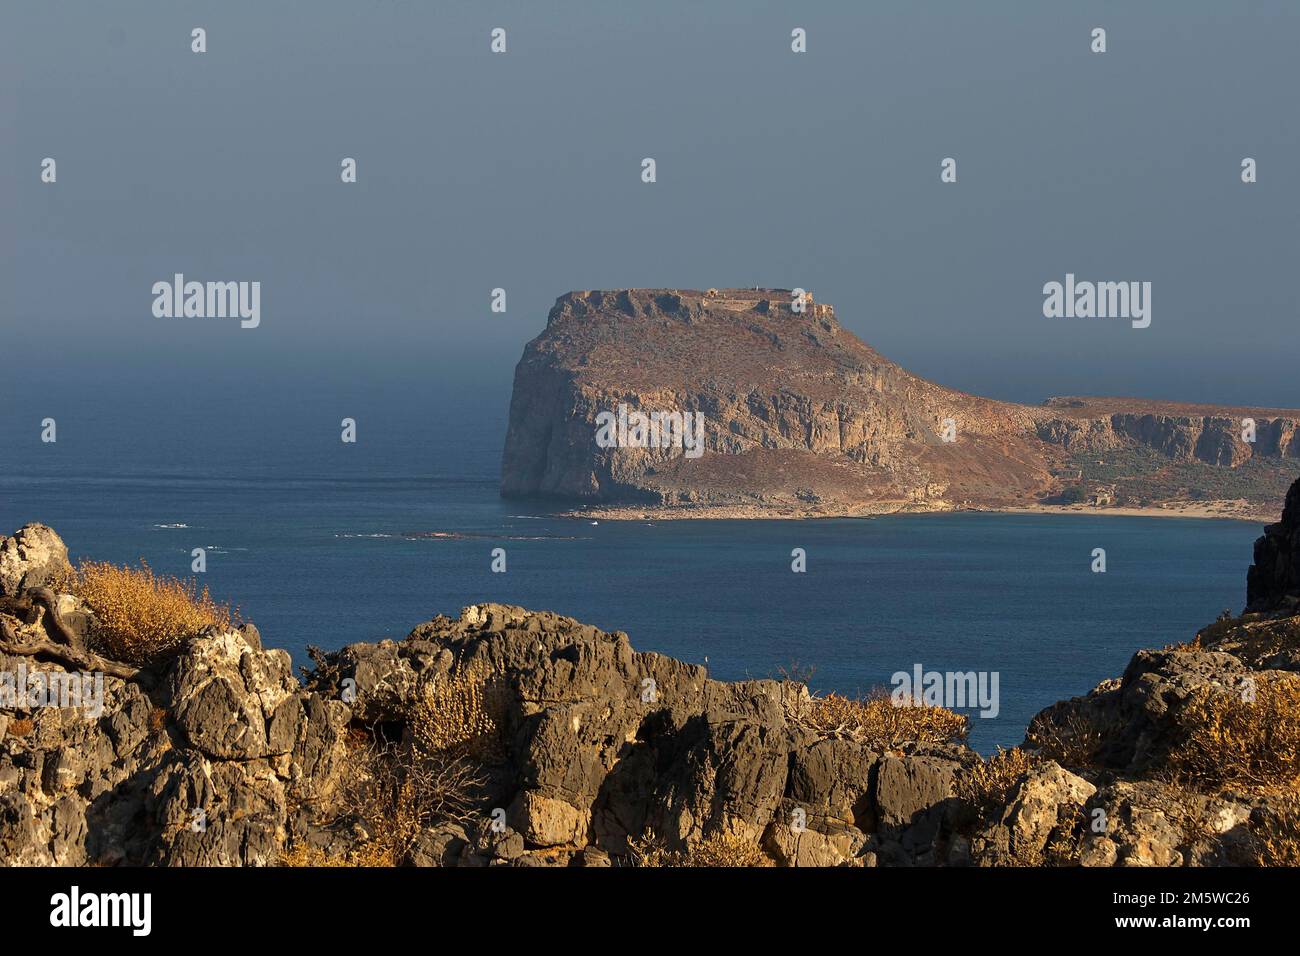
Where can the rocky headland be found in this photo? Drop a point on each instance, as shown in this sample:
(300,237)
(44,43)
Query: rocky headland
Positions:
(510,737)
(803,419)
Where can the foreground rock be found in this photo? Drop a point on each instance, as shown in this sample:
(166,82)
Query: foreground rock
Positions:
(594,751)
(802,418)
(33,557)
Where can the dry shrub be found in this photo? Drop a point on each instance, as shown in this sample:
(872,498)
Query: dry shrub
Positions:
(1072,741)
(20,727)
(1254,641)
(1275,835)
(987,786)
(649,851)
(303,855)
(719,850)
(395,790)
(879,722)
(462,712)
(1229,741)
(381,802)
(727,851)
(796,673)
(157,720)
(1186,647)
(1066,843)
(142,617)
(392,793)
(1186,809)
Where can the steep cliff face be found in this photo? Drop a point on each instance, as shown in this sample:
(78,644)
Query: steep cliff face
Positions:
(1273,582)
(801,416)
(1208,434)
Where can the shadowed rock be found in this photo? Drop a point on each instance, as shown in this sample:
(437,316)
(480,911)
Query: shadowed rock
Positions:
(1273,582)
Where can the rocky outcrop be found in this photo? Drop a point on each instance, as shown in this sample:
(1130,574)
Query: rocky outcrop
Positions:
(33,557)
(190,763)
(1273,582)
(219,756)
(606,744)
(803,418)
(194,771)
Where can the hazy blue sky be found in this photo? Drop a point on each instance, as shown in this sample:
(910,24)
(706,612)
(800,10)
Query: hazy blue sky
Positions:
(522,170)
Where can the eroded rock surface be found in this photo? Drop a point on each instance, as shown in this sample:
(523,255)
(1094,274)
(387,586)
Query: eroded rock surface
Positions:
(32,557)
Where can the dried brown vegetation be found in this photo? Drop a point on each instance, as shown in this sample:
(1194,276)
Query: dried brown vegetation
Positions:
(395,790)
(1275,835)
(462,712)
(719,850)
(1241,737)
(1254,640)
(987,786)
(142,617)
(302,855)
(1072,741)
(157,720)
(878,721)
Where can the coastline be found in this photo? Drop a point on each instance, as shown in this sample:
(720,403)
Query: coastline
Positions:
(1221,510)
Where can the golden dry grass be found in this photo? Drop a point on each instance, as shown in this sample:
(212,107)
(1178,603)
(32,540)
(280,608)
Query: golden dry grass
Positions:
(719,850)
(20,727)
(461,712)
(877,721)
(1186,647)
(988,784)
(141,617)
(303,855)
(1275,836)
(1073,741)
(1228,740)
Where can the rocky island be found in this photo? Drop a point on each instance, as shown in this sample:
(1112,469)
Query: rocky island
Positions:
(802,419)
(510,737)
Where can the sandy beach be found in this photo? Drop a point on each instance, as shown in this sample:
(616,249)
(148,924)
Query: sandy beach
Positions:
(1231,510)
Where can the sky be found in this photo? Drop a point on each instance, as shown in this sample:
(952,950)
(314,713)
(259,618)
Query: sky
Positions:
(522,171)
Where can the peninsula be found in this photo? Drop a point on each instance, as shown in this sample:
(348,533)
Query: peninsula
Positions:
(803,419)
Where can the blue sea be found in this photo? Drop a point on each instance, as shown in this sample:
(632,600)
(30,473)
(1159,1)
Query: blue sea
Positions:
(312,539)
